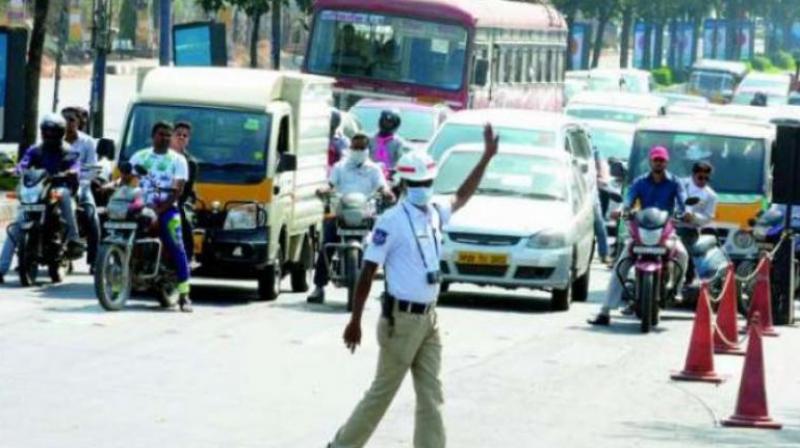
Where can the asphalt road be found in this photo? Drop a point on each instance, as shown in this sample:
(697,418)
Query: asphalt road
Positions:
(239,373)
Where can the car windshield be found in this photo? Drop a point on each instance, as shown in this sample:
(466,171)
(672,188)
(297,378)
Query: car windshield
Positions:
(611,143)
(388,48)
(415,125)
(507,175)
(452,134)
(738,162)
(711,82)
(602,113)
(230,146)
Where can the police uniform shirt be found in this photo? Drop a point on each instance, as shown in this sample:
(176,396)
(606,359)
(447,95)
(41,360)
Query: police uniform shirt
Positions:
(366,178)
(393,245)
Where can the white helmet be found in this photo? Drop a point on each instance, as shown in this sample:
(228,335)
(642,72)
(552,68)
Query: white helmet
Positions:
(416,166)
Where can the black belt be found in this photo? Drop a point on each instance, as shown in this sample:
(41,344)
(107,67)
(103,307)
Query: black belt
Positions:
(414,307)
(404,306)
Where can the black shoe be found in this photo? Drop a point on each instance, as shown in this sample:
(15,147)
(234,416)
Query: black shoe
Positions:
(628,310)
(602,320)
(317,296)
(185,303)
(75,250)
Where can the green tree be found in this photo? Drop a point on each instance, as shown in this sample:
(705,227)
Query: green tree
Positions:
(128,20)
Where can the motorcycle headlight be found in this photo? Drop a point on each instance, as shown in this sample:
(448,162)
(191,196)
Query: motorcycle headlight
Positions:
(547,240)
(243,217)
(743,240)
(650,237)
(30,195)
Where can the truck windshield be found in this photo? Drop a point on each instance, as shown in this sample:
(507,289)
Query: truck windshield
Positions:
(230,146)
(738,162)
(388,48)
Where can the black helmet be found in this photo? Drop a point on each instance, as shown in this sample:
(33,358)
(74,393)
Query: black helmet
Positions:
(389,120)
(759,99)
(53,126)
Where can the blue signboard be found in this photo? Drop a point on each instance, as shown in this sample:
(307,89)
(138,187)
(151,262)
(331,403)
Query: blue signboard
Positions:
(193,45)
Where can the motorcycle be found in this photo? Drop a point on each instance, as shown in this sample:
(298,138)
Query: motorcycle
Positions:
(766,231)
(41,236)
(656,272)
(355,214)
(131,256)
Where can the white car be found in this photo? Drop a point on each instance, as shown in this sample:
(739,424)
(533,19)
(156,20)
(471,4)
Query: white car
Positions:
(620,80)
(529,225)
(616,106)
(776,86)
(556,132)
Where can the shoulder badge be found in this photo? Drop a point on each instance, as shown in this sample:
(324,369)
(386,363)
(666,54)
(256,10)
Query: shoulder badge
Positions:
(379,237)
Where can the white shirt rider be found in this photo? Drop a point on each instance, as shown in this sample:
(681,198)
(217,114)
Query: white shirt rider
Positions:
(162,172)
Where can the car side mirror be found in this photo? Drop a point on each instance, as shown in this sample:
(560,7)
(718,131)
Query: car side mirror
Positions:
(286,163)
(480,72)
(106,148)
(617,169)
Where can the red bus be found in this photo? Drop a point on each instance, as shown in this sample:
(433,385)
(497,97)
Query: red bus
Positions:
(465,53)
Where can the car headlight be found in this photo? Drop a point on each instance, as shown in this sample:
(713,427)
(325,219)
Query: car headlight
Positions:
(547,240)
(650,237)
(743,240)
(243,217)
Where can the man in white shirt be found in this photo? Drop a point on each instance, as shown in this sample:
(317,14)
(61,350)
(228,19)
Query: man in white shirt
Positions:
(356,173)
(407,241)
(703,212)
(86,146)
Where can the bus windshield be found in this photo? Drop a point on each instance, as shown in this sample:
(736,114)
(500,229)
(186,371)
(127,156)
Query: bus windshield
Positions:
(738,162)
(388,48)
(230,146)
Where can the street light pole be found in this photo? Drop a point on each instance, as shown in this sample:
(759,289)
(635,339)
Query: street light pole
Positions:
(101,43)
(62,42)
(165,32)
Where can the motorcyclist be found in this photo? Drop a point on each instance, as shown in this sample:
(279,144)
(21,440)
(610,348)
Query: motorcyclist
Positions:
(759,99)
(87,148)
(55,157)
(697,186)
(356,173)
(386,147)
(167,173)
(660,189)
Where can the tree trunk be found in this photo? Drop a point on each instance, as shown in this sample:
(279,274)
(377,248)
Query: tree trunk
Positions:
(625,38)
(597,49)
(254,41)
(33,71)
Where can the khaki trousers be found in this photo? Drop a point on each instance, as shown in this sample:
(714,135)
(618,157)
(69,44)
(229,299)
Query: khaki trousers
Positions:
(412,344)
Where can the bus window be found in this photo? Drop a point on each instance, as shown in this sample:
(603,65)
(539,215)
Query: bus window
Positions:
(539,65)
(495,62)
(519,67)
(548,66)
(376,45)
(508,65)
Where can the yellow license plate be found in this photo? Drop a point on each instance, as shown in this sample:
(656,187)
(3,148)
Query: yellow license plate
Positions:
(482,259)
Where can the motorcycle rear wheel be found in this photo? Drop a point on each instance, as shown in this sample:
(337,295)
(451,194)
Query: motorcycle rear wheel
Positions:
(111,285)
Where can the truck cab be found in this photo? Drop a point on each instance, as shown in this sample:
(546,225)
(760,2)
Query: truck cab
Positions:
(260,140)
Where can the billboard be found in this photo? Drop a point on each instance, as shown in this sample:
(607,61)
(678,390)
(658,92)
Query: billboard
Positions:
(579,46)
(13,48)
(639,44)
(709,33)
(745,39)
(199,44)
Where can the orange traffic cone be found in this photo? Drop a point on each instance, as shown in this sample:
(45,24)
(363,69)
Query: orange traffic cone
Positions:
(700,359)
(761,301)
(751,405)
(726,331)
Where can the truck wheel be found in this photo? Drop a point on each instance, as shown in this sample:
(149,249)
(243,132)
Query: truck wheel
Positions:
(28,269)
(269,282)
(111,285)
(300,277)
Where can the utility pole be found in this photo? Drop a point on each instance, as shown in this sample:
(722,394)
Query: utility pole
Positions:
(62,43)
(165,32)
(276,34)
(101,43)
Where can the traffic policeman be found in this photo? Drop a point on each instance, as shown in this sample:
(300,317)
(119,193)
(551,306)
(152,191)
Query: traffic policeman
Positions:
(407,241)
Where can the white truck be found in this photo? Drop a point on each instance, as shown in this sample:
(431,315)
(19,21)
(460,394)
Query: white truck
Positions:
(260,139)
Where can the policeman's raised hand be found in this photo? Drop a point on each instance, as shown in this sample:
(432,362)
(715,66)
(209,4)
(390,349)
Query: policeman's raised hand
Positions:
(490,141)
(352,335)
